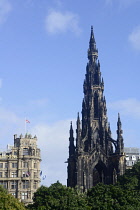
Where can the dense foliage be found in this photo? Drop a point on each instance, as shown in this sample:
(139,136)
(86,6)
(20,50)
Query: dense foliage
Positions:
(112,197)
(58,197)
(124,195)
(8,202)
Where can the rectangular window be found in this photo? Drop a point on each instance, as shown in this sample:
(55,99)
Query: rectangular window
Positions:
(35,185)
(4,184)
(133,157)
(35,165)
(0,174)
(25,165)
(35,174)
(14,174)
(14,165)
(130,163)
(25,151)
(6,165)
(5,174)
(15,152)
(1,165)
(24,195)
(13,184)
(25,184)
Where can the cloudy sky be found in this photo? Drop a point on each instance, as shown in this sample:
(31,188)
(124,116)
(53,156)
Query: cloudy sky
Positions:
(43,55)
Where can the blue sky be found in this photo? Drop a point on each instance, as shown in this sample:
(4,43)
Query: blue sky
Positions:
(43,55)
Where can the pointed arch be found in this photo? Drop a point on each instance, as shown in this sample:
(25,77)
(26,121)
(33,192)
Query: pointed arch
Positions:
(99,173)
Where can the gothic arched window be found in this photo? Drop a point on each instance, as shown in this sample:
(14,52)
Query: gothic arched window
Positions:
(96,79)
(96,107)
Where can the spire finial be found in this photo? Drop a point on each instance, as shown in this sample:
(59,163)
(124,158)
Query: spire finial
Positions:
(91,29)
(78,116)
(92,35)
(71,125)
(118,115)
(71,130)
(119,120)
(92,51)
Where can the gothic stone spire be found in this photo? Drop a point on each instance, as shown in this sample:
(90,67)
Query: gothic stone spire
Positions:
(93,160)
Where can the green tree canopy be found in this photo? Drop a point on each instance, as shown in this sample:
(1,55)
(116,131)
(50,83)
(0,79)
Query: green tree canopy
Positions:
(110,197)
(131,178)
(8,202)
(58,197)
(124,195)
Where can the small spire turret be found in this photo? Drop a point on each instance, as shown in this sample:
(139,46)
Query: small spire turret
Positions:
(71,141)
(120,144)
(119,124)
(71,130)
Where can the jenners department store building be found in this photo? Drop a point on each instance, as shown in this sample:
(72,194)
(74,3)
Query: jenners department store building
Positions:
(20,168)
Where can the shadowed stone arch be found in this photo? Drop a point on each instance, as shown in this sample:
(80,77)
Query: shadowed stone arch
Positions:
(99,172)
(114,173)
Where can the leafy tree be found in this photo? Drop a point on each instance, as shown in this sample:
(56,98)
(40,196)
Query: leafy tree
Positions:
(112,197)
(58,197)
(131,178)
(8,202)
(124,195)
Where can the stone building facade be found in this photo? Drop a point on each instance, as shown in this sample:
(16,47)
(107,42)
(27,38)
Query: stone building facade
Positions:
(20,168)
(94,156)
(132,155)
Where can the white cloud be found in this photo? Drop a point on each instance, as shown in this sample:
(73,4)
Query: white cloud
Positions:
(5,8)
(53,140)
(127,107)
(134,38)
(10,124)
(8,116)
(58,22)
